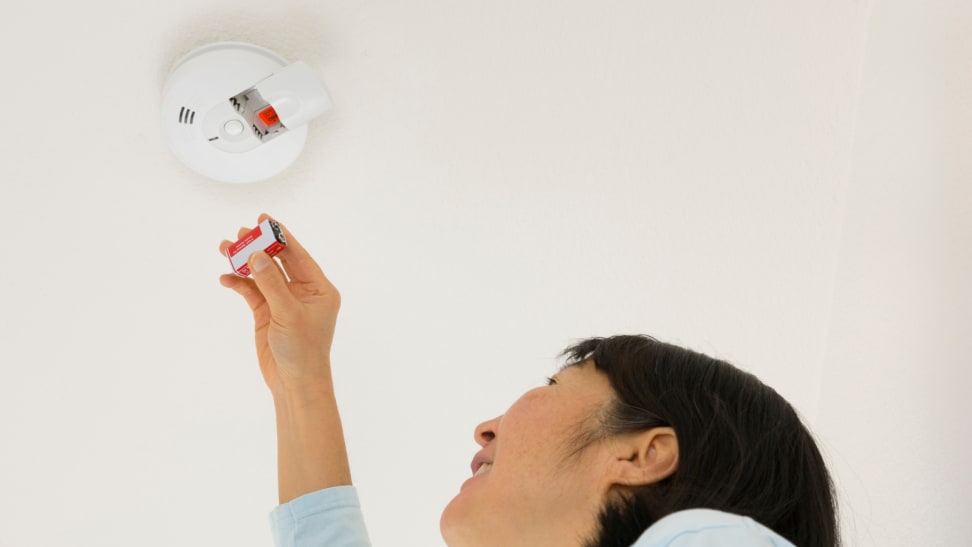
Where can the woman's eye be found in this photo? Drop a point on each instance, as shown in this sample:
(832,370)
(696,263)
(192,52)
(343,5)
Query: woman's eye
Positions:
(551,381)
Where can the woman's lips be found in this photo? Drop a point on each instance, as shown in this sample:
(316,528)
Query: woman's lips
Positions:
(478,461)
(484,468)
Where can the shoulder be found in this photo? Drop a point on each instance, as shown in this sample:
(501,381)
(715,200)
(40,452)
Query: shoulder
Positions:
(708,527)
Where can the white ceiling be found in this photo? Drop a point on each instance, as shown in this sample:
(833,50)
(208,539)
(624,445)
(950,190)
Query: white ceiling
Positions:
(496,179)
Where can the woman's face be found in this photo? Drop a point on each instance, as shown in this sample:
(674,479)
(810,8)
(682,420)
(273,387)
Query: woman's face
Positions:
(532,491)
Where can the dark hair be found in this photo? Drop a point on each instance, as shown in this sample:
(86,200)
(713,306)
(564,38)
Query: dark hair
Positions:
(742,448)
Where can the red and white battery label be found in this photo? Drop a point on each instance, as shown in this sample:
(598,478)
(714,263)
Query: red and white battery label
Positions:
(266,237)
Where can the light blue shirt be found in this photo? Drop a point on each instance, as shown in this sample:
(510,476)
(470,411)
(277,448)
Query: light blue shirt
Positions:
(709,528)
(332,518)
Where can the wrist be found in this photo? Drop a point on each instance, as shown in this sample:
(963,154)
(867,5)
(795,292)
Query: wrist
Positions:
(303,392)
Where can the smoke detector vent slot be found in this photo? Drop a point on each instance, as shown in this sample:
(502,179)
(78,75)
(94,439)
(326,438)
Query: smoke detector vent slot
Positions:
(186,115)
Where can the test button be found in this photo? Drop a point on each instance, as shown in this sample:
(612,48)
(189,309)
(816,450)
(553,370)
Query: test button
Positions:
(233,127)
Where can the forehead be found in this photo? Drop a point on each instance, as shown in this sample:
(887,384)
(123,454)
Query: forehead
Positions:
(578,367)
(585,374)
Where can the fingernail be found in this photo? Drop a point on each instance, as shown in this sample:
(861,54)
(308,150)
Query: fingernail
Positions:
(259,260)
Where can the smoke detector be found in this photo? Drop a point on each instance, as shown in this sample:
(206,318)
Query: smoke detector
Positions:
(236,112)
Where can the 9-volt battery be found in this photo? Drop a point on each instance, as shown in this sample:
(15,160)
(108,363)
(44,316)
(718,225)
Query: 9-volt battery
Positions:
(266,237)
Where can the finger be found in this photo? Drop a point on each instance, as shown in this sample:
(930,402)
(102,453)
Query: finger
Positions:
(245,288)
(300,265)
(224,245)
(272,284)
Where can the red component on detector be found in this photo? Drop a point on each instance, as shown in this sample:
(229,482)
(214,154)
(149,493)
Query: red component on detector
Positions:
(269,116)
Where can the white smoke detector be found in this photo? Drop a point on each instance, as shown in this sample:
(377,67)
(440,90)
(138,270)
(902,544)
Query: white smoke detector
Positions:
(237,112)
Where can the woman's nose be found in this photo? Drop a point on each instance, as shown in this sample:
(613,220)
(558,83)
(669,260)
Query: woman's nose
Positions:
(486,431)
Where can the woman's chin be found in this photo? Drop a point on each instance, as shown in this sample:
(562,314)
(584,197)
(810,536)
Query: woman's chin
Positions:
(454,519)
(447,521)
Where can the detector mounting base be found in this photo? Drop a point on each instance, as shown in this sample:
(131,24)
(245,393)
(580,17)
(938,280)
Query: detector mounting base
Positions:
(206,132)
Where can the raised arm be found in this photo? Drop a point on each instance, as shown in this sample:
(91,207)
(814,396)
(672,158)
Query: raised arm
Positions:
(294,326)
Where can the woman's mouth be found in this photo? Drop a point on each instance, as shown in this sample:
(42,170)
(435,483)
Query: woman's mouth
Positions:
(484,467)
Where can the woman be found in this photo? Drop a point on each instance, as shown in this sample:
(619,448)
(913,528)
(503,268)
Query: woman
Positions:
(633,442)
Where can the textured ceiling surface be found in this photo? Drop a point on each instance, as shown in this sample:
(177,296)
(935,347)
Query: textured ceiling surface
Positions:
(495,180)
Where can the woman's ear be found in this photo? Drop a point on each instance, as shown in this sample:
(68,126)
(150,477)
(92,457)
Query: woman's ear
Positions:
(645,457)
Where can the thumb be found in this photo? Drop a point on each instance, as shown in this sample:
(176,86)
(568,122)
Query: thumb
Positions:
(272,283)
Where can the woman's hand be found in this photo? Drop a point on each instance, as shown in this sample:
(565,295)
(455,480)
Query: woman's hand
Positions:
(294,320)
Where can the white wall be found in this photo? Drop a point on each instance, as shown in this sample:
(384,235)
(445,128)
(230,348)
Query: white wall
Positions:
(497,179)
(895,410)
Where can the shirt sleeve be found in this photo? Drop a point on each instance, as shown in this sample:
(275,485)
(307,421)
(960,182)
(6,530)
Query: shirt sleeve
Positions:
(330,517)
(709,528)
